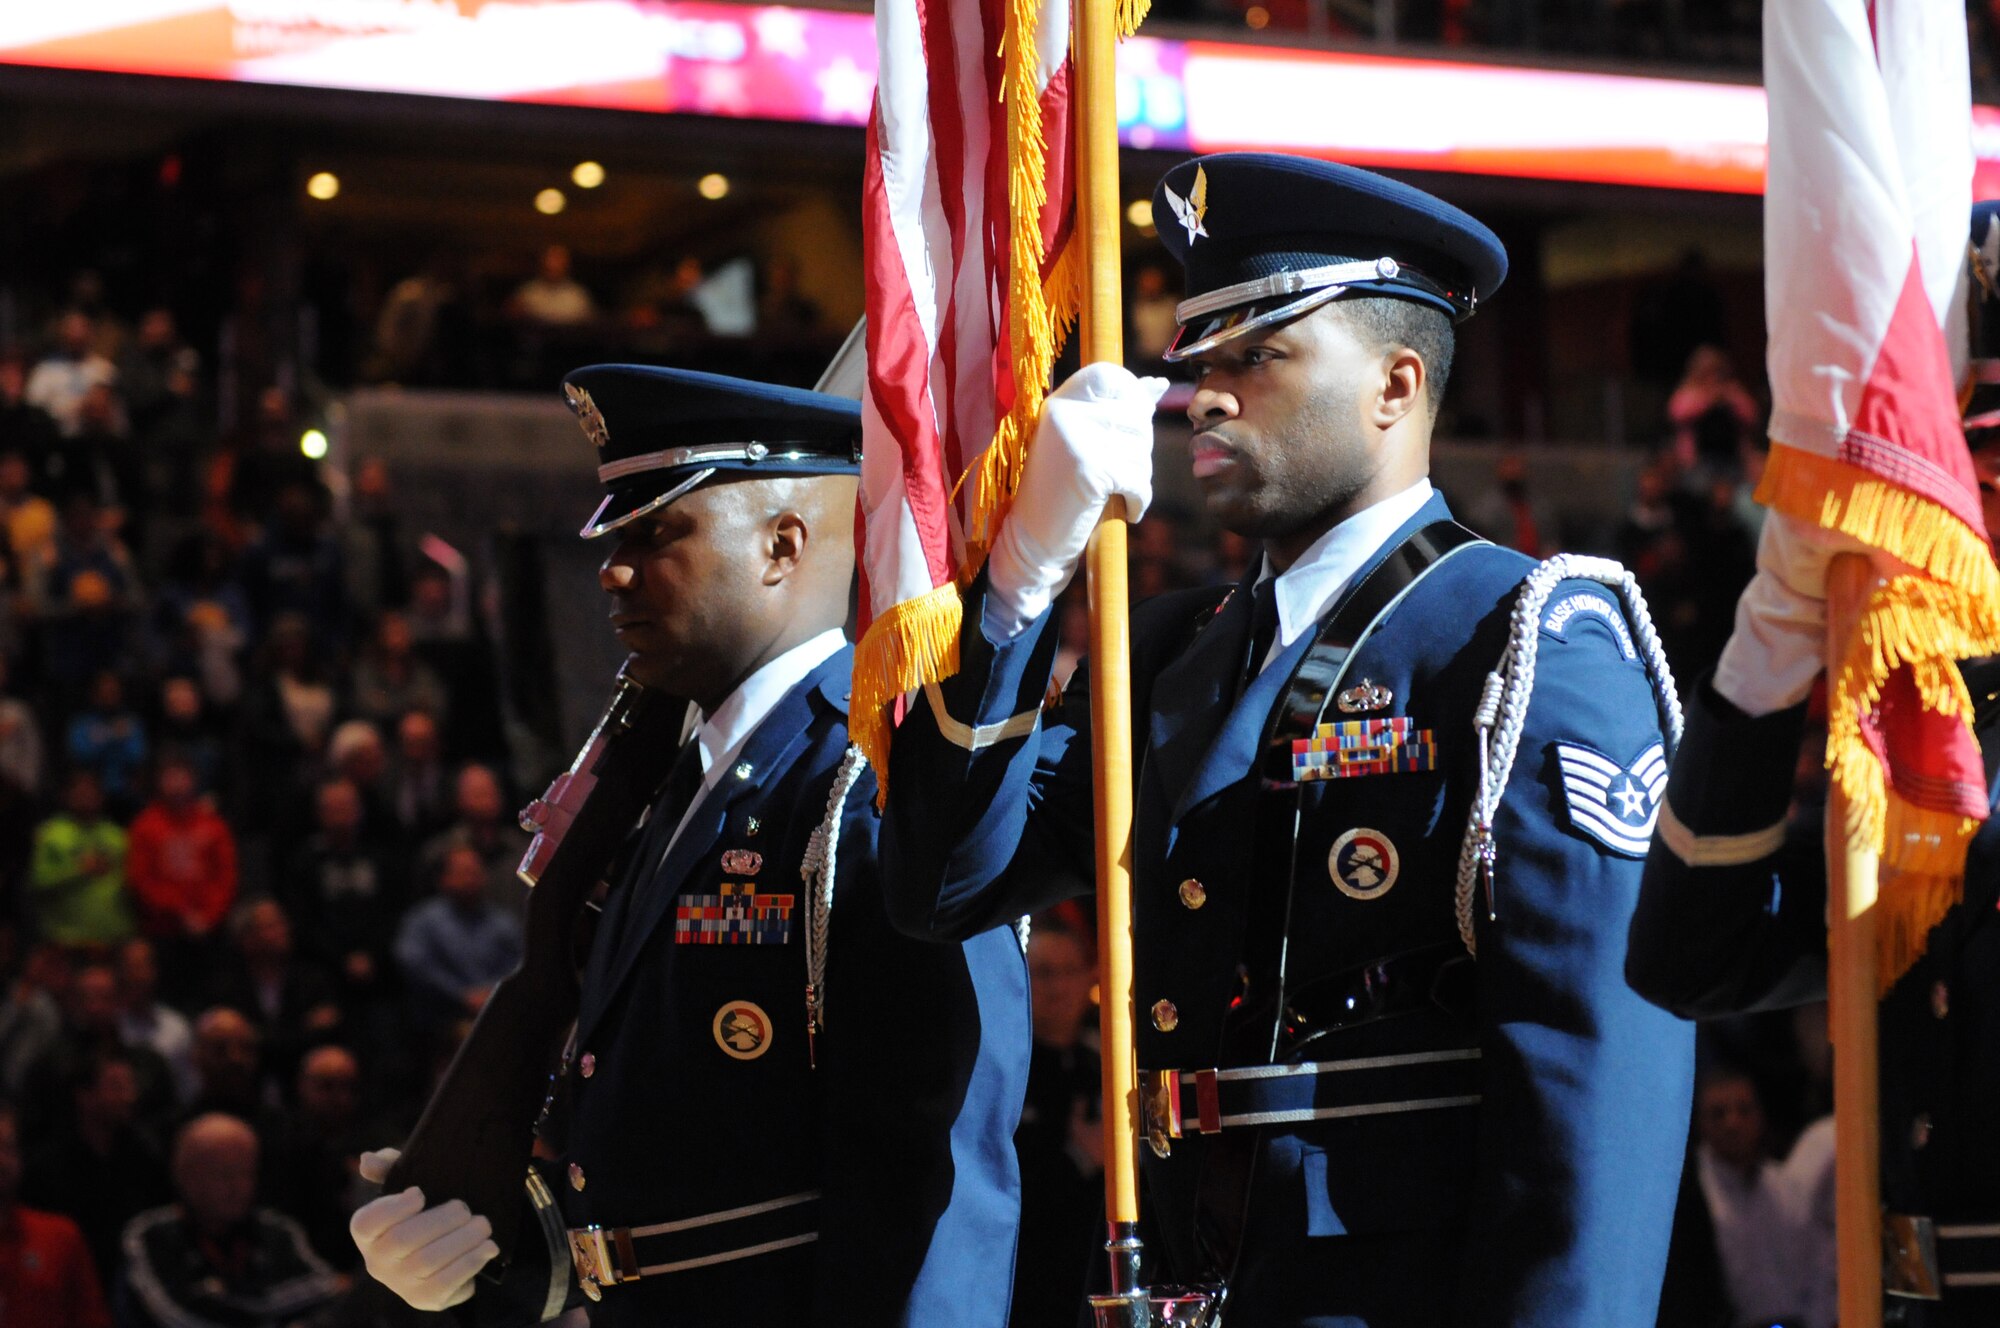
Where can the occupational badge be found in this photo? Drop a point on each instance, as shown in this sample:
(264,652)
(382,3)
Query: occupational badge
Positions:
(1351,747)
(1363,864)
(1616,805)
(742,1030)
(1364,696)
(742,862)
(587,415)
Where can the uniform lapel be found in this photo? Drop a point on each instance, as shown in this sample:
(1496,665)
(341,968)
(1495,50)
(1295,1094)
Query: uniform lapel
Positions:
(773,746)
(1201,743)
(1192,694)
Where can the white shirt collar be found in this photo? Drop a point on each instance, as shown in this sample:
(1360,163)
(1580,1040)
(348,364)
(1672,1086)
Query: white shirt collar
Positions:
(720,737)
(1309,587)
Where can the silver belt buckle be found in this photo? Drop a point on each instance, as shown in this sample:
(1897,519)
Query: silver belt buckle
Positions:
(594,1269)
(1909,1257)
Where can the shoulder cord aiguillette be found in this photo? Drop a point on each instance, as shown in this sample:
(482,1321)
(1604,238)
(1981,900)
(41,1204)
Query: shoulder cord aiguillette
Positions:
(1503,709)
(822,854)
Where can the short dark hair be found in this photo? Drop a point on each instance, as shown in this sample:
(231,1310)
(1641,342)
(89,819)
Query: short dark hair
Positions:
(1391,324)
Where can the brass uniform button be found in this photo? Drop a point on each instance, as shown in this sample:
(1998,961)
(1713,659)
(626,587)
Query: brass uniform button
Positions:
(1165,1017)
(1920,1130)
(588,1064)
(575,1176)
(1192,893)
(1940,998)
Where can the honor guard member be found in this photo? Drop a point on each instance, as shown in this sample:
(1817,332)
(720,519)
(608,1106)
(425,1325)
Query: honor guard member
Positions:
(1732,915)
(1393,795)
(733,1158)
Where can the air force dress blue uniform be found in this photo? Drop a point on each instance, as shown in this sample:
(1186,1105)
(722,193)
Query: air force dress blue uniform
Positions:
(722,1166)
(1351,1119)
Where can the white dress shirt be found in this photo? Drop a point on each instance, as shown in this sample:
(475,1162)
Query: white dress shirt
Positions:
(1310,586)
(719,738)
(1759,1236)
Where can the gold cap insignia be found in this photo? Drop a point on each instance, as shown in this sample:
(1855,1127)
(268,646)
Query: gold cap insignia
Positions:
(587,415)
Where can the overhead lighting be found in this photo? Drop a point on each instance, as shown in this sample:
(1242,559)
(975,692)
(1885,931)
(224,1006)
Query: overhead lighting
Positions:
(587,175)
(313,443)
(550,201)
(712,186)
(1257,17)
(323,185)
(1140,213)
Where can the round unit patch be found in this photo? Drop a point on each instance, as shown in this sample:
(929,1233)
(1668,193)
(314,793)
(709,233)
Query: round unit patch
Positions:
(1363,864)
(742,1030)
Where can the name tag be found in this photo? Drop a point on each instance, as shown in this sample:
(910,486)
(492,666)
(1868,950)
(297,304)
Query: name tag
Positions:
(736,916)
(1352,747)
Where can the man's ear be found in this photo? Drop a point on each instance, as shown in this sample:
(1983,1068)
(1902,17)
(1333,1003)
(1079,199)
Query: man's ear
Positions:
(785,546)
(1403,383)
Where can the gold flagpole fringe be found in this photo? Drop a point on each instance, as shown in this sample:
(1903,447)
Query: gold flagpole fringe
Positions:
(1926,622)
(910,644)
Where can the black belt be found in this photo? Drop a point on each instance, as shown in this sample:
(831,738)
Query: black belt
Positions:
(1438,977)
(1969,1253)
(1178,1102)
(1927,1259)
(607,1256)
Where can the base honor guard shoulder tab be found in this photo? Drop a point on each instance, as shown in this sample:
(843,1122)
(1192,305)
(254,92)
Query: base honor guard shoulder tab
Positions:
(1615,822)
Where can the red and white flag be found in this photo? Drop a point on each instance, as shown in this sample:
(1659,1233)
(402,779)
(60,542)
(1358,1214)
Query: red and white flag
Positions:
(1865,222)
(971,286)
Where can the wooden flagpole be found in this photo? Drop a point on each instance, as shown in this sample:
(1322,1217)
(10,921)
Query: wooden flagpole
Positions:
(1851,987)
(1093,52)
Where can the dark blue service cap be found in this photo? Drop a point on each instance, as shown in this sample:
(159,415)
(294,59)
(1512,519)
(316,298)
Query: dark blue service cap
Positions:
(1264,237)
(660,432)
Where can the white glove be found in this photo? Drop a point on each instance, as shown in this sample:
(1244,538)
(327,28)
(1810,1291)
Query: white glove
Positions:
(428,1256)
(1779,644)
(1094,443)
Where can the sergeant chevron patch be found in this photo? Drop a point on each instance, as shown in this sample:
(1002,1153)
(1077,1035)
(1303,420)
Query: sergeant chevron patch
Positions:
(1614,804)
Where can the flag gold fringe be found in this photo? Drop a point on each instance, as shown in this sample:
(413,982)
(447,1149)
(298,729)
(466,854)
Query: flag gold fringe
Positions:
(1948,610)
(916,641)
(1041,311)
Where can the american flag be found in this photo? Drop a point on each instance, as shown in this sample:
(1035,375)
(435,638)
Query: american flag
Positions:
(1865,217)
(972,284)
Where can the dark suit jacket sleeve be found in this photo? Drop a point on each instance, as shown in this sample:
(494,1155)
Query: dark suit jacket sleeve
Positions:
(1731,914)
(1586,1086)
(978,832)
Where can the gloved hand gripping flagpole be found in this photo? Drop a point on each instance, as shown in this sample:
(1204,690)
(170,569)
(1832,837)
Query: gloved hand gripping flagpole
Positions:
(1093,52)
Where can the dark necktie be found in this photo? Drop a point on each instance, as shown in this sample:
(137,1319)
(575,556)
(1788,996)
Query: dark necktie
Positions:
(683,786)
(1263,630)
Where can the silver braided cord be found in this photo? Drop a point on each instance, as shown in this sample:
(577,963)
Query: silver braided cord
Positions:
(1503,709)
(822,855)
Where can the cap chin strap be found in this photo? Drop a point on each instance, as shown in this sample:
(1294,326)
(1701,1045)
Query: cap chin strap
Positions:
(592,528)
(1286,283)
(1315,286)
(1224,329)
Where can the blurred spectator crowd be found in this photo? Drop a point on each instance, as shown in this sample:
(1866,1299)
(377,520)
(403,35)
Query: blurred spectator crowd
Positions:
(257,844)
(256,839)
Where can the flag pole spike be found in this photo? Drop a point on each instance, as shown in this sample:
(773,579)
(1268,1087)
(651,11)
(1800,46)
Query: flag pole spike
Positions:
(1853,889)
(1094,52)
